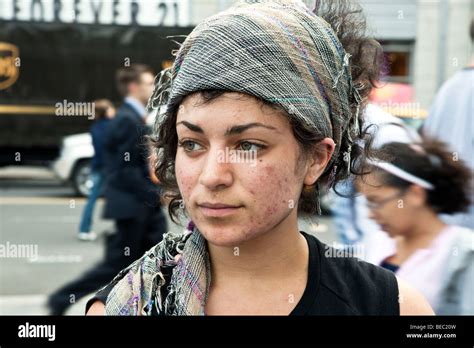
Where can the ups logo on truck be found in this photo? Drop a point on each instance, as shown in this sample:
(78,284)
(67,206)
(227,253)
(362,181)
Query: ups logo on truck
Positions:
(9,64)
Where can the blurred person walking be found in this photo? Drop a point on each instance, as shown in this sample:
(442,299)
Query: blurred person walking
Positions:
(406,190)
(132,199)
(104,112)
(450,120)
(349,210)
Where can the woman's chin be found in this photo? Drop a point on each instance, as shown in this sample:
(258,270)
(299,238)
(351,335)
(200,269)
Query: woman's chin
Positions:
(224,237)
(391,233)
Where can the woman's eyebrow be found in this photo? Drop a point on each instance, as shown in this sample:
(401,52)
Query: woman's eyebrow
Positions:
(242,128)
(191,126)
(231,131)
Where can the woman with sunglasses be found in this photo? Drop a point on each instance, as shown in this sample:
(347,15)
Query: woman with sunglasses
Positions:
(406,190)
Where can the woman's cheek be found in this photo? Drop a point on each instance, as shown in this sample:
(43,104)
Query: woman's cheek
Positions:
(185,180)
(271,191)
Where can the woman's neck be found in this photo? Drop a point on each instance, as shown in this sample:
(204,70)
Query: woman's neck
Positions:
(427,228)
(420,236)
(277,252)
(267,275)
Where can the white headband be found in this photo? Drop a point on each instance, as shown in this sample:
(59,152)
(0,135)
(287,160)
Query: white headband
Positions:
(388,167)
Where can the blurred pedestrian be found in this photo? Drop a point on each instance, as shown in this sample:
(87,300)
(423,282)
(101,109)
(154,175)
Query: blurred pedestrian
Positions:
(451,120)
(104,112)
(131,197)
(349,211)
(406,190)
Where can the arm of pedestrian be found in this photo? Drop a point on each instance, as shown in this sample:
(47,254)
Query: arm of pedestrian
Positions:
(97,308)
(412,302)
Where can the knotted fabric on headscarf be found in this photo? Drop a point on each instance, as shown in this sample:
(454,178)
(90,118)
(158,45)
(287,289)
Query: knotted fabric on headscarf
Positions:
(138,288)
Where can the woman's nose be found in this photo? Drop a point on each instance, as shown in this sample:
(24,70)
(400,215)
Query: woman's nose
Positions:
(217,171)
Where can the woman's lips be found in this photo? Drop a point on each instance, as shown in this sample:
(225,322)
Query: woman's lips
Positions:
(218,210)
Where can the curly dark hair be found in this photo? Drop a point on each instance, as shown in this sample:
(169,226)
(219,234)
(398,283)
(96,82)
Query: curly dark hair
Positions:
(432,161)
(348,21)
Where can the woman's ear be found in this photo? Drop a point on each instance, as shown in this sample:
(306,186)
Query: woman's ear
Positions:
(318,160)
(416,196)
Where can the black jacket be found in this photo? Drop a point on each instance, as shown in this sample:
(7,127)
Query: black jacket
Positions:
(128,187)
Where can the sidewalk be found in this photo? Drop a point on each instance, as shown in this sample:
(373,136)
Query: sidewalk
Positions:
(35,305)
(26,172)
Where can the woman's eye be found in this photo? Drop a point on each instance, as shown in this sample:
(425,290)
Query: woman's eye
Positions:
(248,146)
(189,145)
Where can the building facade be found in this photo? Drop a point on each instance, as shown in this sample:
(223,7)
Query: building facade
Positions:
(426,41)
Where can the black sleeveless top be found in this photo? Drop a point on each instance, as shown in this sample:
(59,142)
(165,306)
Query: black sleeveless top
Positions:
(345,285)
(335,286)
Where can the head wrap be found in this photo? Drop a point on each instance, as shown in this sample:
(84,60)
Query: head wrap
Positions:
(278,51)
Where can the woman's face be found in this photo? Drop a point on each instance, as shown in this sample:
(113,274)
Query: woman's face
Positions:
(237,167)
(392,208)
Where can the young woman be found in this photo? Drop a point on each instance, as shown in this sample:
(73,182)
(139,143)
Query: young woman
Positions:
(263,108)
(406,192)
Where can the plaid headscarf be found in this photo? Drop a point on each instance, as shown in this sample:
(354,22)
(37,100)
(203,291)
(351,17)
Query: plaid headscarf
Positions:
(278,51)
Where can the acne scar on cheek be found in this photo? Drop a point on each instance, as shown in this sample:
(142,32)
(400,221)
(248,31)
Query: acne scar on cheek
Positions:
(271,210)
(184,182)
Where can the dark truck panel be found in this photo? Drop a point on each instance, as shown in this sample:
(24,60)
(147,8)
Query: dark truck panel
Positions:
(72,62)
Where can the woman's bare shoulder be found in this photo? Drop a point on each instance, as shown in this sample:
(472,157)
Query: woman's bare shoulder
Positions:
(97,308)
(412,302)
